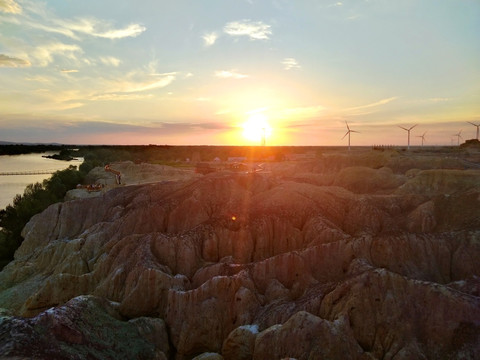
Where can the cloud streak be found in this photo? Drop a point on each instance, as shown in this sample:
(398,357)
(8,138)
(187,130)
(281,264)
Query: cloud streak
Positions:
(83,131)
(372,105)
(8,61)
(132,30)
(110,61)
(232,74)
(133,85)
(290,63)
(36,16)
(90,27)
(148,85)
(120,97)
(255,30)
(45,54)
(10,6)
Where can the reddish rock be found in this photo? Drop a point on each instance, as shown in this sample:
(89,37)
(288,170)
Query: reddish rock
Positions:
(188,264)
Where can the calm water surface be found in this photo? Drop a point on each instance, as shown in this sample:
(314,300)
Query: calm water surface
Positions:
(15,184)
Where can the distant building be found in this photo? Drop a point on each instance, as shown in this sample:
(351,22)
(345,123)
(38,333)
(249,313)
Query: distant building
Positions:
(237,158)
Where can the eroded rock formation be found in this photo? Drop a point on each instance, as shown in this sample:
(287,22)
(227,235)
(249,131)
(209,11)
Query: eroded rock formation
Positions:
(316,264)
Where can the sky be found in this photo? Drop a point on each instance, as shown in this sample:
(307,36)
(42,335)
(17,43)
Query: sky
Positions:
(237,72)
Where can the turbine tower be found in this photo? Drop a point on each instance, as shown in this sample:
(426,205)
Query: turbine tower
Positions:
(408,130)
(476,126)
(423,137)
(459,136)
(348,133)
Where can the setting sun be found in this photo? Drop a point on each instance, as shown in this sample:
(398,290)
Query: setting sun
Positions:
(256,127)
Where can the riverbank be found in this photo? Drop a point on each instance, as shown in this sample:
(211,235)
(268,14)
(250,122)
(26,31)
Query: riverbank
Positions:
(28,164)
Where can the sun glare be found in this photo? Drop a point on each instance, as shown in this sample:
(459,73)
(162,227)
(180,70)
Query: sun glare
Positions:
(256,127)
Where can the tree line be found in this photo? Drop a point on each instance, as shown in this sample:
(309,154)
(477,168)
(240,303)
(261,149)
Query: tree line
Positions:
(18,149)
(36,198)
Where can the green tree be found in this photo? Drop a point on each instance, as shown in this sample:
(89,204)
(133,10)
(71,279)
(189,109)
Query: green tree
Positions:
(36,198)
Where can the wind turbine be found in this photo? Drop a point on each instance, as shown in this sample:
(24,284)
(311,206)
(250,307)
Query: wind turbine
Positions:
(423,137)
(458,137)
(476,126)
(408,130)
(348,133)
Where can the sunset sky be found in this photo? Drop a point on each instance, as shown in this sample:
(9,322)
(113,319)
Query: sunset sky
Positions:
(194,72)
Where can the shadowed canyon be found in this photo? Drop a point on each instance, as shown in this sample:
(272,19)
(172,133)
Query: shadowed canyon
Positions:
(368,255)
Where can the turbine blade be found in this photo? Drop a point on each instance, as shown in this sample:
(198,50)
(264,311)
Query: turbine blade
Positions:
(347,125)
(413,127)
(345,134)
(401,127)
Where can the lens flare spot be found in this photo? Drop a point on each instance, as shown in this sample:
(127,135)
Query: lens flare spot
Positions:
(234,218)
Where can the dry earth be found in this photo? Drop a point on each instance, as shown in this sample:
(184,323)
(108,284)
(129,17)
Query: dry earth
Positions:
(370,255)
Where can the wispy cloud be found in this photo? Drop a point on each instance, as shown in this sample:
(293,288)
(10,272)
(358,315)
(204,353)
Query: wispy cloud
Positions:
(438,99)
(290,63)
(338,3)
(233,74)
(45,99)
(10,6)
(89,26)
(132,30)
(372,105)
(8,61)
(147,85)
(41,79)
(69,71)
(93,131)
(44,54)
(210,38)
(138,81)
(354,17)
(110,61)
(37,16)
(255,30)
(120,97)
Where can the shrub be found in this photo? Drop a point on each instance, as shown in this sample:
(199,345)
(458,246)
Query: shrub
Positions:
(36,198)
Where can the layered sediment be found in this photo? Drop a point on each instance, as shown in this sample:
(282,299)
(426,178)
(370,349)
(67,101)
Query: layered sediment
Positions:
(307,261)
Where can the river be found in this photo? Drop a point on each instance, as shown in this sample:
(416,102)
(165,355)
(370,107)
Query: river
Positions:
(10,185)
